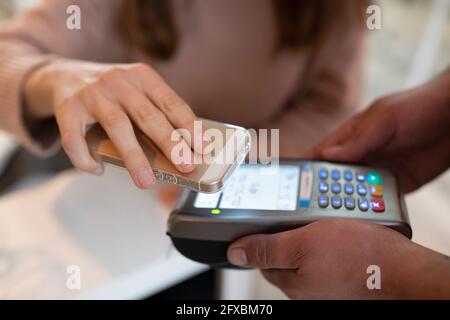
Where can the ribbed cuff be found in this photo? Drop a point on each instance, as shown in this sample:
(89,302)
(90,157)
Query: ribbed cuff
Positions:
(13,72)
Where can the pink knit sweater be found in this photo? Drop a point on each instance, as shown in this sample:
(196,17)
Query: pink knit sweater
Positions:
(224,67)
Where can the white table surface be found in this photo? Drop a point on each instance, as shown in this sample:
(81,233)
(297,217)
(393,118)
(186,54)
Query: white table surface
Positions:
(114,232)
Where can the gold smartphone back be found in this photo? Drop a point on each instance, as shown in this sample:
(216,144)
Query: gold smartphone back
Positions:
(209,176)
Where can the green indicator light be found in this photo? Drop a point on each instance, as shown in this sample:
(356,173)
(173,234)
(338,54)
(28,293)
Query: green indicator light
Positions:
(373,178)
(215,211)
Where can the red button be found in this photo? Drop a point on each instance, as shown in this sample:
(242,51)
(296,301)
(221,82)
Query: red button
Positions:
(377,205)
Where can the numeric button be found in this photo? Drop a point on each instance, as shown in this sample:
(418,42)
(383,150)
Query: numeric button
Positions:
(360,177)
(348,175)
(323,201)
(336,202)
(349,203)
(363,204)
(348,188)
(323,187)
(323,173)
(336,187)
(361,189)
(335,174)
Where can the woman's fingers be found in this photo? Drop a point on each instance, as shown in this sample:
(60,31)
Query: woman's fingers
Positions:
(120,130)
(72,139)
(117,95)
(169,103)
(152,122)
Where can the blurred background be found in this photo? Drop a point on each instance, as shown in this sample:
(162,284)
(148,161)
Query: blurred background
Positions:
(412,46)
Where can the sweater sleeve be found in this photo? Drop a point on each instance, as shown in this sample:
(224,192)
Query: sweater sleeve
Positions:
(35,37)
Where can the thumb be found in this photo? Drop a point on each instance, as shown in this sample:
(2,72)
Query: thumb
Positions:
(263,252)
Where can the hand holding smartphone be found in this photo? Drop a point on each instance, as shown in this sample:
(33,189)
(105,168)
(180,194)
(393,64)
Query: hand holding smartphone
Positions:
(228,148)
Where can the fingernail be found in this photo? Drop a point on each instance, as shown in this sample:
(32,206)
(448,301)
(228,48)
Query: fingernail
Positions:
(238,257)
(145,178)
(187,167)
(332,151)
(98,171)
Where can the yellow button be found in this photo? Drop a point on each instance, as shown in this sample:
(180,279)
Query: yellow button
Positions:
(376,191)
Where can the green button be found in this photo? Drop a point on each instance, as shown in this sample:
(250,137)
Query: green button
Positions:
(373,178)
(215,211)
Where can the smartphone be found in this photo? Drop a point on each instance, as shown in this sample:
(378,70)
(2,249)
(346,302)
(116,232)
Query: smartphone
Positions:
(230,145)
(297,193)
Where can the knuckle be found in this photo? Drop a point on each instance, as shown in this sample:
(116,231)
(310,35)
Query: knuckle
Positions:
(64,109)
(146,114)
(302,245)
(111,75)
(65,103)
(116,119)
(87,93)
(140,67)
(297,257)
(88,89)
(170,103)
(261,255)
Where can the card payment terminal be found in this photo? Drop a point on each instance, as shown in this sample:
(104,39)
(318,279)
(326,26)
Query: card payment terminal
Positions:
(260,199)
